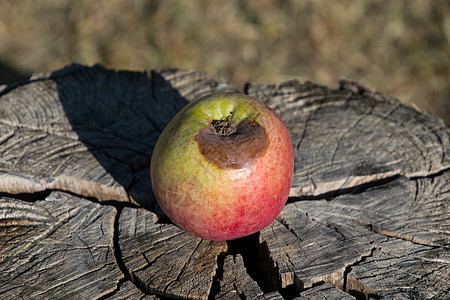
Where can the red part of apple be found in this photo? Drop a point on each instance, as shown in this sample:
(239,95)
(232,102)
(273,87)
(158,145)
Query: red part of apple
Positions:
(222,168)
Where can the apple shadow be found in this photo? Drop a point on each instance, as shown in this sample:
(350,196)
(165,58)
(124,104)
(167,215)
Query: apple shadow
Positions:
(118,116)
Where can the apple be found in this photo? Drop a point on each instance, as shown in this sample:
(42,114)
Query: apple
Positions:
(222,168)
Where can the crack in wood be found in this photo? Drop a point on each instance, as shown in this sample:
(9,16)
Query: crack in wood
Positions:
(46,256)
(310,113)
(62,283)
(359,294)
(28,197)
(112,292)
(357,189)
(218,276)
(394,260)
(430,174)
(286,224)
(249,248)
(118,254)
(348,130)
(181,270)
(405,237)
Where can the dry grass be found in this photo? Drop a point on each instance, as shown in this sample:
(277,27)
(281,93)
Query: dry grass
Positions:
(401,48)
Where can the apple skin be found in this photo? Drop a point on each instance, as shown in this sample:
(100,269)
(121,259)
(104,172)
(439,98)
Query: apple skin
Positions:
(217,203)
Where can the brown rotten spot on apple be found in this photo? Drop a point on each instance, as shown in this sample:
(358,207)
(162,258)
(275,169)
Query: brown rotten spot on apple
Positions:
(231,145)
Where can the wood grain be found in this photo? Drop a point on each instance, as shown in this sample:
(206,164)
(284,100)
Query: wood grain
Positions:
(128,290)
(368,214)
(55,248)
(324,291)
(345,139)
(399,268)
(236,283)
(164,259)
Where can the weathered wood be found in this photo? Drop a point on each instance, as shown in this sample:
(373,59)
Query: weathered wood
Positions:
(399,268)
(56,248)
(416,210)
(344,139)
(164,259)
(324,291)
(236,283)
(314,241)
(368,211)
(304,250)
(88,130)
(128,290)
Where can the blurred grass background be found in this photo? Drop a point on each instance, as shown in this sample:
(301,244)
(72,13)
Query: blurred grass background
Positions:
(400,48)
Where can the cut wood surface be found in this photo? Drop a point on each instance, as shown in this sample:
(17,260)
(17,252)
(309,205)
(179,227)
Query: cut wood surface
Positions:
(368,214)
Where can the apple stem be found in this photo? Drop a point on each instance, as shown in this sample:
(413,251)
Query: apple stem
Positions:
(224,126)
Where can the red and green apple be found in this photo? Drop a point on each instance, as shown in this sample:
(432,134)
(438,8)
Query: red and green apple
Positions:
(222,168)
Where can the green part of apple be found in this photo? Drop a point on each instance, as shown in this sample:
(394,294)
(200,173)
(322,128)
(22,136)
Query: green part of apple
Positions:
(222,168)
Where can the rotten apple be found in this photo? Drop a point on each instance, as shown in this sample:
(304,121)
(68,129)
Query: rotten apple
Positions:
(222,167)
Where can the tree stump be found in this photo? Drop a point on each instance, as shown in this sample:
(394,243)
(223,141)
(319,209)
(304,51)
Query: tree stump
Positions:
(368,214)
